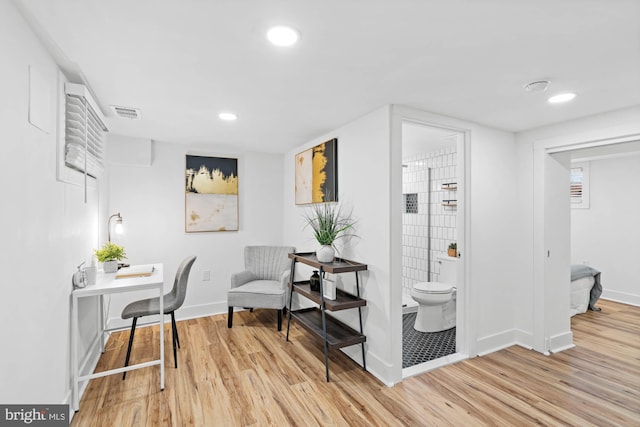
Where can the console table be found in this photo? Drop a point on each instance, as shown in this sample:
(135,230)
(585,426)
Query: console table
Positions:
(330,330)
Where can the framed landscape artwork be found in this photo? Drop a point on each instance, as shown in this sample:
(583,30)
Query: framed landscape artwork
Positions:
(211,194)
(316,174)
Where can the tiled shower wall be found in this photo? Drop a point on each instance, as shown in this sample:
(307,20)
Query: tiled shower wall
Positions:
(443,219)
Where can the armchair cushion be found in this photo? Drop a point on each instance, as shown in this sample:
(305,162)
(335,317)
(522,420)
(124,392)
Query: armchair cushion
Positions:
(258,293)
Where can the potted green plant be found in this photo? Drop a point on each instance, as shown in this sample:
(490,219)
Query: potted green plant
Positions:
(109,255)
(453,249)
(329,223)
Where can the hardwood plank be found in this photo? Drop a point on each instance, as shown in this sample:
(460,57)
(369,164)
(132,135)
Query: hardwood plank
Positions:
(250,376)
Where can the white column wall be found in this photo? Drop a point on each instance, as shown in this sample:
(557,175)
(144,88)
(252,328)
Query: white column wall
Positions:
(363,183)
(151,200)
(47,231)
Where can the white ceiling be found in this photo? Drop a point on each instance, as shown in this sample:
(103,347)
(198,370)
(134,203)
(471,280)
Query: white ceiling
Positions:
(183,62)
(420,139)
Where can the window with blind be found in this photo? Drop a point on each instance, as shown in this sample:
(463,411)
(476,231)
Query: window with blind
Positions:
(84,131)
(576,185)
(579,185)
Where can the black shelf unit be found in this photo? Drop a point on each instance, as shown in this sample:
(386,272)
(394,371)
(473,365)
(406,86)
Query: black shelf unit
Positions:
(315,320)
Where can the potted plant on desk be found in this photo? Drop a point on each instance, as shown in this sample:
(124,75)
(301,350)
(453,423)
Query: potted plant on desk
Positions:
(328,223)
(109,255)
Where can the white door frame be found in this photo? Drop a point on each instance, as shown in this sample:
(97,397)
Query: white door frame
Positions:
(465,334)
(546,317)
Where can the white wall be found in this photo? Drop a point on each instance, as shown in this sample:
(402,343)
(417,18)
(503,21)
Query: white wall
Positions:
(607,235)
(363,171)
(151,200)
(486,196)
(593,129)
(47,230)
(370,171)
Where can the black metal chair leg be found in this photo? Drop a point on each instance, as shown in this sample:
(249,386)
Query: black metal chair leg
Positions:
(280,320)
(174,339)
(230,318)
(175,328)
(133,331)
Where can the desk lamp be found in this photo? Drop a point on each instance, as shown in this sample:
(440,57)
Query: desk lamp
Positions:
(119,229)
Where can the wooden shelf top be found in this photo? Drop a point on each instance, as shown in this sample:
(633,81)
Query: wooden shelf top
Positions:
(339,265)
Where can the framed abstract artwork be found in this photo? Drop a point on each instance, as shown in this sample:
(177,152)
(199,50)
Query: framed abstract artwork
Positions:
(211,194)
(316,174)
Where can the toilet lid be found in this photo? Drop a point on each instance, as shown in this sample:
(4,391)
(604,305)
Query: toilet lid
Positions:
(433,287)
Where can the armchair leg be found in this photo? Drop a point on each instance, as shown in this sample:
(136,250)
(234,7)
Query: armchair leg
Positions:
(280,320)
(174,338)
(230,318)
(133,331)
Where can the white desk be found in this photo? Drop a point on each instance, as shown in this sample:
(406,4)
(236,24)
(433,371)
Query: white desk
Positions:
(108,284)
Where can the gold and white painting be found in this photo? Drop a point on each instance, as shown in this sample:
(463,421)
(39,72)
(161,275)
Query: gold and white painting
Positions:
(316,174)
(211,194)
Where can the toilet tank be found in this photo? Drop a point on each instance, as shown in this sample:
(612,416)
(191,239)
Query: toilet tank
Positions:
(448,269)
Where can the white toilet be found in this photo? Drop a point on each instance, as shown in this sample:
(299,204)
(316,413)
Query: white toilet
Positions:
(437,300)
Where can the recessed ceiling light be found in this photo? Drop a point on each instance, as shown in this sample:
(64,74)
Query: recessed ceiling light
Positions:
(229,117)
(283,35)
(563,97)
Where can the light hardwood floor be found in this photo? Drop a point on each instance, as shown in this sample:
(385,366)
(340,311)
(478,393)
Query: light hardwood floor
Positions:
(249,375)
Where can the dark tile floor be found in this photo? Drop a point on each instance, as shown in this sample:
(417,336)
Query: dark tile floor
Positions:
(419,347)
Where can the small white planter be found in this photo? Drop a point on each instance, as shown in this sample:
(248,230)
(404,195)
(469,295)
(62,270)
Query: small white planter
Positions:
(110,266)
(325,254)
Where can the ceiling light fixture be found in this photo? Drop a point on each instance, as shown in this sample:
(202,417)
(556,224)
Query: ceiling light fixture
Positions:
(283,35)
(229,117)
(562,97)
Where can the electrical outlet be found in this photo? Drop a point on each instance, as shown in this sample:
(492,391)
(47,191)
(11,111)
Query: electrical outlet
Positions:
(206,275)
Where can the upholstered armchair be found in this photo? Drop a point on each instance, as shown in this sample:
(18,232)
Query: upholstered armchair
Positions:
(263,283)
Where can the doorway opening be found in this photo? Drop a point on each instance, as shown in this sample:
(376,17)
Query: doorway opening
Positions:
(432,239)
(553,234)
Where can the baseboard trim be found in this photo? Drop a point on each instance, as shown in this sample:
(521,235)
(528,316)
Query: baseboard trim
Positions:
(183,313)
(524,338)
(622,297)
(496,342)
(375,366)
(561,342)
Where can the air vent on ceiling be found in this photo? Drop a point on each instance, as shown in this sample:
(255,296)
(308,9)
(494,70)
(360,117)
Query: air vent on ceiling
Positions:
(535,87)
(126,112)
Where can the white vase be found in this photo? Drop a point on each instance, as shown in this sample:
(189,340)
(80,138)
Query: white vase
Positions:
(325,253)
(110,266)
